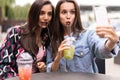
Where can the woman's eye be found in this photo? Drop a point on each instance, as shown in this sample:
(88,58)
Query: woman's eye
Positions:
(49,13)
(42,13)
(63,12)
(72,12)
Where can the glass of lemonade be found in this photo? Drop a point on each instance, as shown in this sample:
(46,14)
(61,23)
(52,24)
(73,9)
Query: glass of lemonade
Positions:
(69,53)
(24,62)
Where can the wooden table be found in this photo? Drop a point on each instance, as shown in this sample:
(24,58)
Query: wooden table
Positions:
(69,76)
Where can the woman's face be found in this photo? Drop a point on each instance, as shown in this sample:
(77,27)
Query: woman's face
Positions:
(45,15)
(67,13)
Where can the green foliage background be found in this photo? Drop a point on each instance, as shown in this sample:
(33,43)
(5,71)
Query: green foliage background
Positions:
(9,11)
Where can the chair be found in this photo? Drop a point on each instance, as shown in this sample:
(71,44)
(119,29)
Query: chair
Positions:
(101,65)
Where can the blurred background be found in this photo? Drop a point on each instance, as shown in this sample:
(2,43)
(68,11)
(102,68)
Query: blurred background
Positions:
(14,12)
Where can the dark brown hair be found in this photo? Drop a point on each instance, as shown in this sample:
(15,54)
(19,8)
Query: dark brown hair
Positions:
(28,36)
(59,32)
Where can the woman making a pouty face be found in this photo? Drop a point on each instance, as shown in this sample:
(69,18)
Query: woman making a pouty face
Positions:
(89,44)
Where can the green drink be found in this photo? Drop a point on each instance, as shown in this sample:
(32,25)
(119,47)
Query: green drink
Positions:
(69,53)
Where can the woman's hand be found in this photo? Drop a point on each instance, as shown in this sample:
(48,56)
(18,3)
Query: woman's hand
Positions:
(64,45)
(41,66)
(108,32)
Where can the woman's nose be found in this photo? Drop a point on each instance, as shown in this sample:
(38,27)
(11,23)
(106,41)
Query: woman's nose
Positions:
(68,15)
(45,16)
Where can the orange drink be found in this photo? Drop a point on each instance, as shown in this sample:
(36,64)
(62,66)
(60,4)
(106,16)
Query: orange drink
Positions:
(25,73)
(24,62)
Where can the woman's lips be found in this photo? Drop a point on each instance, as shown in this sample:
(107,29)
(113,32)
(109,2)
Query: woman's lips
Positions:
(44,23)
(68,23)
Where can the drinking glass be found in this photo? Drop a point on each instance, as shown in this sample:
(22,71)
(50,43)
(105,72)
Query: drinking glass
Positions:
(24,62)
(69,53)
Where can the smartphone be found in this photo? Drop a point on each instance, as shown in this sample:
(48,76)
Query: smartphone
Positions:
(101,16)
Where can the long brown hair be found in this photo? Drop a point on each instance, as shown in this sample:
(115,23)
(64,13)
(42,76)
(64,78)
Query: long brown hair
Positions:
(59,32)
(28,37)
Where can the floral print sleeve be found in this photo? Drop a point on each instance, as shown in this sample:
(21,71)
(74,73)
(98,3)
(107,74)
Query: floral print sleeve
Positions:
(9,50)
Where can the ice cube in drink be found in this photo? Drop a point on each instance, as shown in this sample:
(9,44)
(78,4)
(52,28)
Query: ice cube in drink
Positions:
(69,53)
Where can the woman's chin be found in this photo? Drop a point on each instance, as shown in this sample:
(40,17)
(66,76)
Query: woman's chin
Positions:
(43,26)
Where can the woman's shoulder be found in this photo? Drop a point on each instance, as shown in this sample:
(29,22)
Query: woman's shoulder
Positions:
(87,32)
(14,29)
